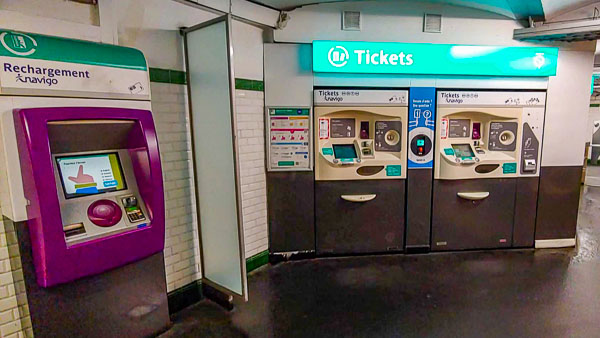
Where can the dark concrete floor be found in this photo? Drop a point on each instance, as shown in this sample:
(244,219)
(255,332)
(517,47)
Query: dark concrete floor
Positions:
(518,293)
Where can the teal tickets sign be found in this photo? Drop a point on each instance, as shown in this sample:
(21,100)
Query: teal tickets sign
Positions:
(423,58)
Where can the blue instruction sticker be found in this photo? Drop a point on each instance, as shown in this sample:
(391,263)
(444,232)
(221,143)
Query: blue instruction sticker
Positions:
(449,151)
(393,170)
(327,151)
(509,168)
(421,124)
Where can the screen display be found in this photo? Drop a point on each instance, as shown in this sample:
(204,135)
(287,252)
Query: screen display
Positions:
(420,143)
(463,150)
(84,175)
(344,151)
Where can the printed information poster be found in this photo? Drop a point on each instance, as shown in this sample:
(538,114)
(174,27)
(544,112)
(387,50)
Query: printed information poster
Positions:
(289,139)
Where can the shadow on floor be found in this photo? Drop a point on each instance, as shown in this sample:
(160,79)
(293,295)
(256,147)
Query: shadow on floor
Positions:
(549,293)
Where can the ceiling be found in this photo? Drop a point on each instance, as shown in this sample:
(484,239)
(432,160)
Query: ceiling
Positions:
(515,9)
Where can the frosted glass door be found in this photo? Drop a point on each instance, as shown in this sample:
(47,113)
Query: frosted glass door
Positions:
(209,59)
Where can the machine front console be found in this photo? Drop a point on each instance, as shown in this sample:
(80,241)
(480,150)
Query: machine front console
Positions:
(355,143)
(98,195)
(478,144)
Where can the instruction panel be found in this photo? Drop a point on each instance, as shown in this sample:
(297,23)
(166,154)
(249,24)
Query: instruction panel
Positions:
(289,141)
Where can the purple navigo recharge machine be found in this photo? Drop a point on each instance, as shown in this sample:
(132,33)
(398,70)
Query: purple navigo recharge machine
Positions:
(80,162)
(93,180)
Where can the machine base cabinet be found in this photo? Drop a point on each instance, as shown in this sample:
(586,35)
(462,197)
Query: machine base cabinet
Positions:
(291,204)
(129,301)
(346,227)
(558,205)
(418,210)
(525,212)
(459,223)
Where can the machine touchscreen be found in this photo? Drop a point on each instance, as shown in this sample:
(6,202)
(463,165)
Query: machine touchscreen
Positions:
(344,151)
(90,174)
(463,150)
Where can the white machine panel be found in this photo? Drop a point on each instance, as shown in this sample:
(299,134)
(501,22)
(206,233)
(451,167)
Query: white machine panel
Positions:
(288,74)
(491,99)
(359,97)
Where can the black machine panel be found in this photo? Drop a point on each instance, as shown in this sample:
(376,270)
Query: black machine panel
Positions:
(418,210)
(421,145)
(388,136)
(344,227)
(291,211)
(104,305)
(530,148)
(459,128)
(459,224)
(341,128)
(503,136)
(525,212)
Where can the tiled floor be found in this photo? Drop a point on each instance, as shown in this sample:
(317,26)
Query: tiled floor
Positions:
(517,293)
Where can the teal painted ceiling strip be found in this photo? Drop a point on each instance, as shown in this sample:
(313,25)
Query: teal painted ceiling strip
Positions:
(51,48)
(523,9)
(432,59)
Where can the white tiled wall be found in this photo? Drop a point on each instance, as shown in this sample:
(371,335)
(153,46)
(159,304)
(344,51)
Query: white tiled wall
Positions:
(182,257)
(251,141)
(14,312)
(169,106)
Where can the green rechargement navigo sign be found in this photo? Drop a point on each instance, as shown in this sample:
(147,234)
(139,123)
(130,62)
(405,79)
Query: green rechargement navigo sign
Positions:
(51,48)
(422,58)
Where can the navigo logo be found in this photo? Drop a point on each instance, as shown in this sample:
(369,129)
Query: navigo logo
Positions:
(338,56)
(18,43)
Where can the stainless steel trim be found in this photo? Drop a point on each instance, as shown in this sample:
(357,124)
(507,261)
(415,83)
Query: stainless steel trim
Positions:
(236,159)
(223,13)
(227,19)
(474,196)
(359,198)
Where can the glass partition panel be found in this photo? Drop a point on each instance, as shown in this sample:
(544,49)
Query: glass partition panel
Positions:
(209,59)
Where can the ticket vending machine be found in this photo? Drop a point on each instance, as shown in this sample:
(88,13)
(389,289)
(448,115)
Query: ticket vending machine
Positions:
(95,201)
(360,170)
(487,159)
(82,186)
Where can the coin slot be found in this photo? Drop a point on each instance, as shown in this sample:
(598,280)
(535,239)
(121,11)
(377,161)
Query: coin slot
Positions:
(392,137)
(74,229)
(507,137)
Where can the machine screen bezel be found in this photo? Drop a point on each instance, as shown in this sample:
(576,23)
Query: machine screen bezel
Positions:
(455,147)
(62,183)
(344,148)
